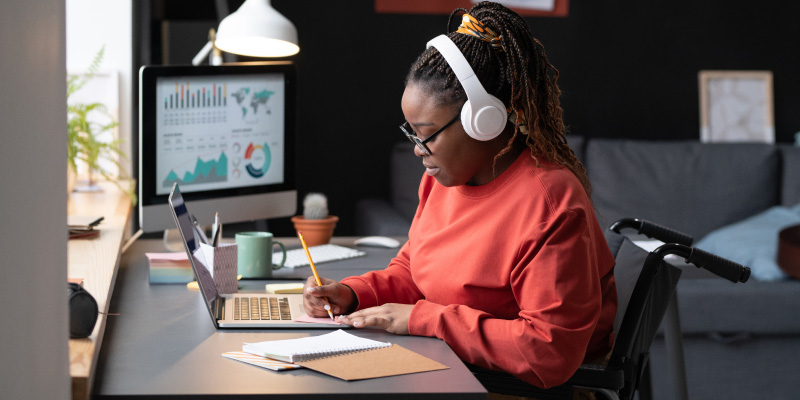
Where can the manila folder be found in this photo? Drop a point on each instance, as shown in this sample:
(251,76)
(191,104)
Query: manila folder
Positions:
(376,363)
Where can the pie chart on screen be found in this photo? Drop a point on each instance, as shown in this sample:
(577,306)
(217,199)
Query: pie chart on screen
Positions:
(257,158)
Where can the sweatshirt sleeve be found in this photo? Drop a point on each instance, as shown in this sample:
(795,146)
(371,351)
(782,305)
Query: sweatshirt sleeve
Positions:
(395,283)
(391,285)
(558,289)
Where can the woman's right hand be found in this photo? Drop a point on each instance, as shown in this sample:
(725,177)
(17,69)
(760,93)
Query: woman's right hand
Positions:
(341,297)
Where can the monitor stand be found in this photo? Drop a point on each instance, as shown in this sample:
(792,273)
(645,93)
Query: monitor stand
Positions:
(261,225)
(172,240)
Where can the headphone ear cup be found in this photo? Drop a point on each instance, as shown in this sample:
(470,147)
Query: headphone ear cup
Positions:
(466,120)
(486,123)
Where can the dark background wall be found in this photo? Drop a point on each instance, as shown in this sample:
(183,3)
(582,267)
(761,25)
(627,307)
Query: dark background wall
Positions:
(628,70)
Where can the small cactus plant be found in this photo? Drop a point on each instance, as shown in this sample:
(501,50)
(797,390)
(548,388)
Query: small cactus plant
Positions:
(315,223)
(315,206)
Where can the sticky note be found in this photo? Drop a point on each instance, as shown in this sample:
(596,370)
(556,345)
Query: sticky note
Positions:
(284,288)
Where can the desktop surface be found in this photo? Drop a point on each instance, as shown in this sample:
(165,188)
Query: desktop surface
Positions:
(163,344)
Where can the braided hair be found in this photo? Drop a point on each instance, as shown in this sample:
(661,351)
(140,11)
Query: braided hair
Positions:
(520,76)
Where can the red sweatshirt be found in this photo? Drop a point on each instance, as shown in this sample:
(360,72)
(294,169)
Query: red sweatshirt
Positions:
(514,275)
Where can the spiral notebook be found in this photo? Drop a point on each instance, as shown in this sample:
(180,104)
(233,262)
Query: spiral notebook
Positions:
(345,356)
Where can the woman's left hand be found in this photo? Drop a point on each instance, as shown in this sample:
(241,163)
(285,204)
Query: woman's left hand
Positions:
(392,317)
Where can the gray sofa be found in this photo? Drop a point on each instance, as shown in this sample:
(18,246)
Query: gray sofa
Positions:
(740,341)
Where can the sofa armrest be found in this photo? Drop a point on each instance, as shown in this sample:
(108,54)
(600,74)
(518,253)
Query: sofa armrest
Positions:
(378,217)
(790,177)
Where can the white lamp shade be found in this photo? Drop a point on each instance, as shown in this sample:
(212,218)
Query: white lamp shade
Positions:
(257,30)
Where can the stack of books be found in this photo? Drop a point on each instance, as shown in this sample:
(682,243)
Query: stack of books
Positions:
(169,268)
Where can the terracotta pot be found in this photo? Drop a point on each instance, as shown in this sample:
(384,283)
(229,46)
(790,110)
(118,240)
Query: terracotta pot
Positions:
(315,231)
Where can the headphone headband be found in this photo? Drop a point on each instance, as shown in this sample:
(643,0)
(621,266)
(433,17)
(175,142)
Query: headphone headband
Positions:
(483,115)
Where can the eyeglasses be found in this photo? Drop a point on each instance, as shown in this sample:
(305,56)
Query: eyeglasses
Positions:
(412,136)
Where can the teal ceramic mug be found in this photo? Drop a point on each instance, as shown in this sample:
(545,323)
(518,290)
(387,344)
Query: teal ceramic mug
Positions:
(254,254)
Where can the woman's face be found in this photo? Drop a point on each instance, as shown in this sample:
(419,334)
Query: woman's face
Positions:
(456,159)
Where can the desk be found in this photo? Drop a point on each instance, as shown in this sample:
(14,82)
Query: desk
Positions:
(163,344)
(95,260)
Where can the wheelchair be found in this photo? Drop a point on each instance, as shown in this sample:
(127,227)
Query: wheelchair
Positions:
(645,288)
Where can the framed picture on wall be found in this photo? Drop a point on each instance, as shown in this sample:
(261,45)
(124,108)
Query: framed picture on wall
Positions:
(526,8)
(736,106)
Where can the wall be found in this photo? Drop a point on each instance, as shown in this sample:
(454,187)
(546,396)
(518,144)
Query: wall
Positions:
(33,241)
(92,24)
(628,70)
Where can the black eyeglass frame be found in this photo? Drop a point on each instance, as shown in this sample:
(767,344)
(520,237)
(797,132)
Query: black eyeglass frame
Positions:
(412,136)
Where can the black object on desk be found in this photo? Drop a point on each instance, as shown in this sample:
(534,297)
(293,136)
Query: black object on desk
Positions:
(161,345)
(82,311)
(83,226)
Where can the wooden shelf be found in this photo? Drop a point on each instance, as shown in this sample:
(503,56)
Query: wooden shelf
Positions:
(95,260)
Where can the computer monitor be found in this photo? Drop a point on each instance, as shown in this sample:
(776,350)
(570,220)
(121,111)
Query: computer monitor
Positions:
(225,133)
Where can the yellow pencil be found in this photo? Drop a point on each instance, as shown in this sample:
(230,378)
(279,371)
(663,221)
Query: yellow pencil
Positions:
(314,270)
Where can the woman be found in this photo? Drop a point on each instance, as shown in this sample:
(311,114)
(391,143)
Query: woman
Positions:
(505,260)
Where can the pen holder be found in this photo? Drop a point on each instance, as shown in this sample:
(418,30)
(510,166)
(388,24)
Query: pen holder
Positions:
(221,264)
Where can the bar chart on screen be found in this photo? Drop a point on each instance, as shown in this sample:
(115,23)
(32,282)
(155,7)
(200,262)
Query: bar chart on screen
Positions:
(219,134)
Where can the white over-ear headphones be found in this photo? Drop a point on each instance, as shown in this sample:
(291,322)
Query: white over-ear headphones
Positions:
(483,115)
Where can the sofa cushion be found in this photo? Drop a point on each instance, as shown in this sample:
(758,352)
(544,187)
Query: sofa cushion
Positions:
(754,241)
(717,305)
(686,185)
(407,171)
(790,182)
(376,216)
(576,143)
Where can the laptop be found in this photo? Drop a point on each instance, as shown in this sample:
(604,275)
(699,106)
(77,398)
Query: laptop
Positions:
(237,310)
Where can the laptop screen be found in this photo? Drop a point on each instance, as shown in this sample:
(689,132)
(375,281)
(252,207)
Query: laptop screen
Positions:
(183,220)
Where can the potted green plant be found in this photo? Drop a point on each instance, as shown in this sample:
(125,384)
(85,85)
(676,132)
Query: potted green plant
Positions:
(83,132)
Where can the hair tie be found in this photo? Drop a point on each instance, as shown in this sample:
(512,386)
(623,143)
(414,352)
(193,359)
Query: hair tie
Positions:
(518,119)
(472,27)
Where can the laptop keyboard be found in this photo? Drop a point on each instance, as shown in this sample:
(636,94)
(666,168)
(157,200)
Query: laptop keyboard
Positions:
(261,308)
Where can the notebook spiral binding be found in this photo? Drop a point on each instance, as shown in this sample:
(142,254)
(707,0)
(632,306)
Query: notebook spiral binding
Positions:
(331,352)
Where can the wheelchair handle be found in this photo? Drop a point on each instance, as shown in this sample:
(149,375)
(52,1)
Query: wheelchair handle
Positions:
(719,266)
(653,230)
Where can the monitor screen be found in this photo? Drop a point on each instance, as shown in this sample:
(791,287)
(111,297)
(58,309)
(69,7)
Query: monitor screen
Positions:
(225,134)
